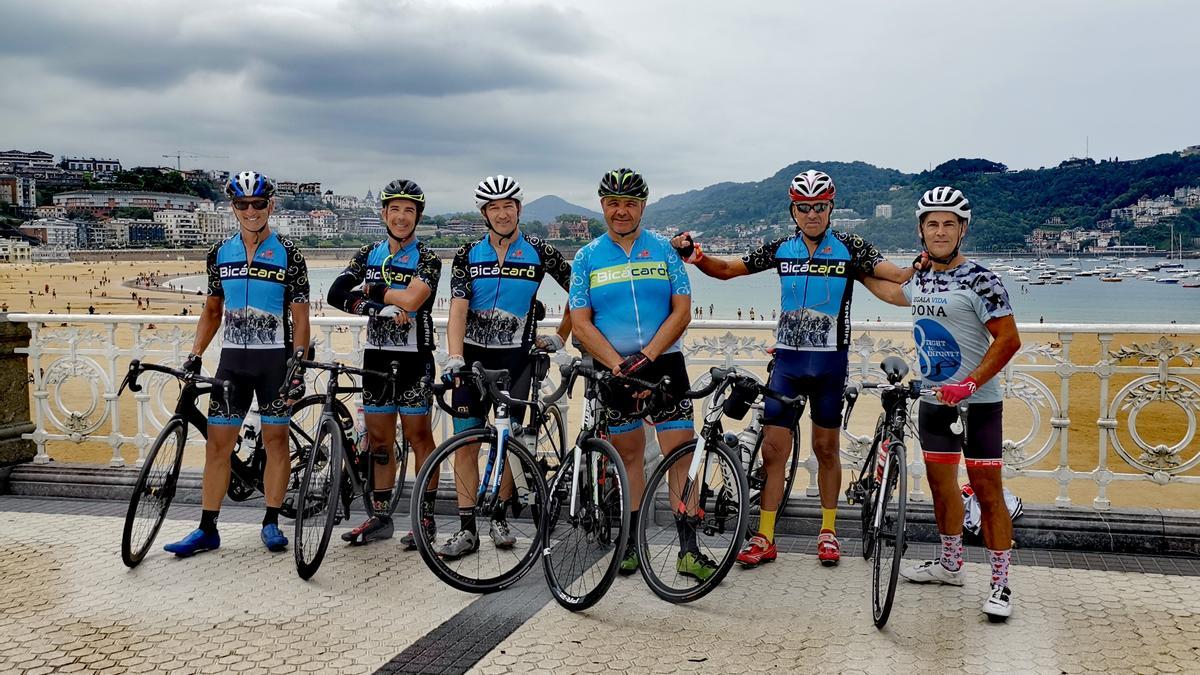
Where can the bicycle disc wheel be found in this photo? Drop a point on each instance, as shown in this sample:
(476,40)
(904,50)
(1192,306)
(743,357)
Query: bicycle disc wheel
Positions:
(479,562)
(317,503)
(706,521)
(584,550)
(153,492)
(889,540)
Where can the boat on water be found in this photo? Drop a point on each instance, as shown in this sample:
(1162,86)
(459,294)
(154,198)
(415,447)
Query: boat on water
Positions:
(1166,280)
(1023,278)
(1086,273)
(1037,282)
(1064,277)
(1112,279)
(1192,285)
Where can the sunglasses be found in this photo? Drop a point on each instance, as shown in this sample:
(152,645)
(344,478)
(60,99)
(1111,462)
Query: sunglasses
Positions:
(821,207)
(258,204)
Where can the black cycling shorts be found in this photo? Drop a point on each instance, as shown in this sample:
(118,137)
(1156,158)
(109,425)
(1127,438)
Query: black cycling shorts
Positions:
(515,360)
(255,374)
(408,396)
(623,412)
(985,434)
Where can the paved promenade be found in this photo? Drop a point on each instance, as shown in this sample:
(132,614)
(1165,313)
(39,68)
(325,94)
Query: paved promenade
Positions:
(67,604)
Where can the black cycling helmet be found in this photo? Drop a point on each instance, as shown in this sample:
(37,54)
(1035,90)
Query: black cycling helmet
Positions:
(402,188)
(624,183)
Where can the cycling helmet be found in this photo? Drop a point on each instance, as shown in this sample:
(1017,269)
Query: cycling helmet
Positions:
(945,198)
(812,186)
(249,184)
(498,187)
(624,183)
(402,188)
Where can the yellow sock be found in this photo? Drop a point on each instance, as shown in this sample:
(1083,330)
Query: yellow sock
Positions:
(829,519)
(766,524)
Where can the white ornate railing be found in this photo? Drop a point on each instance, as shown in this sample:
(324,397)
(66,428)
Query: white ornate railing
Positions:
(75,370)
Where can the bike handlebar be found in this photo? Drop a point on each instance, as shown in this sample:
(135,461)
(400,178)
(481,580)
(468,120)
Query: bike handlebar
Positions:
(136,368)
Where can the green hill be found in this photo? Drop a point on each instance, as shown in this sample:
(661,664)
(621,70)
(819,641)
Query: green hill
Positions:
(1007,204)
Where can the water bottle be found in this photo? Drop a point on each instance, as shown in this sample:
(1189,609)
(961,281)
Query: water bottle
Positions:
(360,429)
(881,461)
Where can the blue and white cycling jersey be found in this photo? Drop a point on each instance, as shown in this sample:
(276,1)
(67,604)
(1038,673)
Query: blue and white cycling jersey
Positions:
(502,293)
(376,264)
(815,289)
(629,295)
(258,295)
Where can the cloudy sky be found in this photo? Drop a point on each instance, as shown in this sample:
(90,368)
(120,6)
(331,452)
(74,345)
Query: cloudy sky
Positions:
(357,92)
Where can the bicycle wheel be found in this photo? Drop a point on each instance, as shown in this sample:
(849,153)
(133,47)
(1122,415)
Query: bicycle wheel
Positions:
(490,563)
(302,432)
(317,503)
(153,492)
(583,552)
(402,450)
(707,520)
(869,494)
(756,476)
(889,538)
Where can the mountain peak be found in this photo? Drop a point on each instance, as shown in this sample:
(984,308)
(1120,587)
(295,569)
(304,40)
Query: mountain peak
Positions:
(549,207)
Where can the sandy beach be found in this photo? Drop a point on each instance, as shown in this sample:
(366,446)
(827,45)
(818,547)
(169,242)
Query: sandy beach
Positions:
(104,286)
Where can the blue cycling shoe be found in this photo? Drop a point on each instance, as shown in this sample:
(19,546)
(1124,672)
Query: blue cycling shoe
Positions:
(273,538)
(198,541)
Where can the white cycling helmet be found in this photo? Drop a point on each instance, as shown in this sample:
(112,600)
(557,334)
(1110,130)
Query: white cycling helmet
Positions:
(497,187)
(945,198)
(812,186)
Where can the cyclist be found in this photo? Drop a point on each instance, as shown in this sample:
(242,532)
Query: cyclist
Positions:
(493,321)
(398,277)
(258,284)
(965,334)
(816,267)
(631,302)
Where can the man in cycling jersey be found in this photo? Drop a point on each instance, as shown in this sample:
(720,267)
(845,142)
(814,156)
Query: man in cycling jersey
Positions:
(398,277)
(493,321)
(258,286)
(631,302)
(965,334)
(817,267)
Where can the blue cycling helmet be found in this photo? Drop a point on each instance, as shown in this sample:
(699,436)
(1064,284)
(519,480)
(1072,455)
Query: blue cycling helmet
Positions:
(249,184)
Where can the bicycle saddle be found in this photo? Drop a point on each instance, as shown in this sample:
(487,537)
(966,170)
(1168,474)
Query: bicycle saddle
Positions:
(895,368)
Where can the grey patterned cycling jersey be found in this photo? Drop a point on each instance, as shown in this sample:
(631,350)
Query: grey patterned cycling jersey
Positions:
(950,311)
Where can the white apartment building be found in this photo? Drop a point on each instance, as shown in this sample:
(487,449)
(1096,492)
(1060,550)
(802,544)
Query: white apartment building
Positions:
(182,228)
(216,224)
(53,232)
(15,251)
(883,211)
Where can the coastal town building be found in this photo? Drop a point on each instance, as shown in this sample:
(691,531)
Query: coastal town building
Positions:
(102,202)
(181,228)
(90,165)
(19,159)
(15,251)
(883,211)
(53,232)
(19,191)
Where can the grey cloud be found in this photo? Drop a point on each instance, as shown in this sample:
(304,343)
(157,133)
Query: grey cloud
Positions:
(420,49)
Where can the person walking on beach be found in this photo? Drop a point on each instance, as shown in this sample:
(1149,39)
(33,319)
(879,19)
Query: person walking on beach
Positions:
(258,290)
(965,334)
(817,267)
(393,282)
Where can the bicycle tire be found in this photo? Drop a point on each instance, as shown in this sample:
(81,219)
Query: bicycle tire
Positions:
(870,493)
(299,440)
(789,478)
(318,498)
(718,504)
(574,584)
(402,449)
(157,480)
(532,529)
(892,530)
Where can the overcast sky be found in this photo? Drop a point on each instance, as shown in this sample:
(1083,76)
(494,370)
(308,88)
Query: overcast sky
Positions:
(358,92)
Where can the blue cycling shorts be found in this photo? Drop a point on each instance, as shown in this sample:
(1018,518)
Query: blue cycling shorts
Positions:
(821,376)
